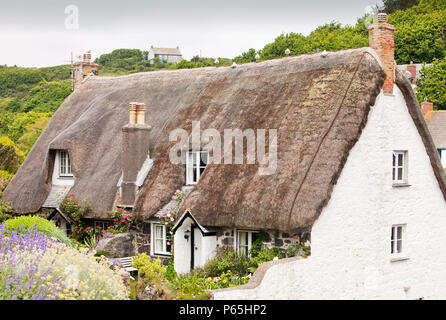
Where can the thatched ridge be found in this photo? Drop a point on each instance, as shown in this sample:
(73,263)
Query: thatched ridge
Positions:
(298,96)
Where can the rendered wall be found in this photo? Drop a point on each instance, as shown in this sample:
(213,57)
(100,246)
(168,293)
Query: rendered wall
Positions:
(350,242)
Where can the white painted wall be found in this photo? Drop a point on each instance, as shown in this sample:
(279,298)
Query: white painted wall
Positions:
(57,179)
(182,248)
(204,248)
(350,252)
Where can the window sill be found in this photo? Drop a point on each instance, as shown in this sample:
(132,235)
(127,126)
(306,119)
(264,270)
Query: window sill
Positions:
(398,259)
(400,185)
(162,254)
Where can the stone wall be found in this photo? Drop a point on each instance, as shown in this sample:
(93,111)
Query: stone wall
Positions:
(275,239)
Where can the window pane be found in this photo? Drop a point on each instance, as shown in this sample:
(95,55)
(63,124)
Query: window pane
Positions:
(68,164)
(400,159)
(393,174)
(393,163)
(203,159)
(159,232)
(243,236)
(399,233)
(400,173)
(62,163)
(159,246)
(399,244)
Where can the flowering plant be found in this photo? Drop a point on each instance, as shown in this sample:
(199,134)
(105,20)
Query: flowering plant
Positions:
(169,219)
(122,220)
(70,206)
(35,267)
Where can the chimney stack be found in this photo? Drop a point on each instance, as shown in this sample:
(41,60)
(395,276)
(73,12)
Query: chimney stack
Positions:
(413,71)
(83,69)
(382,39)
(135,150)
(426,107)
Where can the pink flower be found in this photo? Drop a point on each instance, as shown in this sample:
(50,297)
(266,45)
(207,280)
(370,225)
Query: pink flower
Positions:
(124,216)
(115,220)
(174,197)
(168,243)
(116,226)
(130,215)
(178,191)
(168,215)
(172,219)
(166,223)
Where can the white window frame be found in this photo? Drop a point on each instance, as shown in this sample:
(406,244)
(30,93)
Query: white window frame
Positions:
(65,162)
(153,240)
(394,241)
(195,165)
(396,167)
(237,240)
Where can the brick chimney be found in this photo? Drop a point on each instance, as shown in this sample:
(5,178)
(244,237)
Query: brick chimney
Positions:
(135,149)
(413,71)
(84,68)
(382,39)
(426,107)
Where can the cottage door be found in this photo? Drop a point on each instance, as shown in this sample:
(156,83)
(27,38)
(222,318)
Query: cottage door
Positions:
(195,250)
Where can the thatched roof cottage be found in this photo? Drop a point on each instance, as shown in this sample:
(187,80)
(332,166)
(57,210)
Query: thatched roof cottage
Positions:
(347,164)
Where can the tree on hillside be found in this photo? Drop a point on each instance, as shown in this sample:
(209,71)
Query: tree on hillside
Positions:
(432,84)
(10,157)
(248,56)
(391,6)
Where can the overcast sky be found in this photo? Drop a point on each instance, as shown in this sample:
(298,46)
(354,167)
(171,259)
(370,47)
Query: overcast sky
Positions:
(43,32)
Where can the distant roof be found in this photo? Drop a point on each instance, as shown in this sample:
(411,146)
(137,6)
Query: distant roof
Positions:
(169,51)
(436,122)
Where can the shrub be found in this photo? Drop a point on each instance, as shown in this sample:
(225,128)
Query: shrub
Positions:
(24,224)
(227,260)
(122,220)
(104,253)
(33,266)
(22,274)
(151,269)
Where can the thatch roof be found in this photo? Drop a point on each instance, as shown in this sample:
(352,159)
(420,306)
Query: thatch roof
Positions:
(436,122)
(298,96)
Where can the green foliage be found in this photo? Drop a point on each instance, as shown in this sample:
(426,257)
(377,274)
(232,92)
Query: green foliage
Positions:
(47,96)
(151,269)
(5,178)
(420,32)
(225,261)
(104,253)
(249,56)
(391,6)
(10,157)
(48,228)
(171,274)
(420,35)
(16,81)
(5,211)
(432,84)
(123,61)
(14,125)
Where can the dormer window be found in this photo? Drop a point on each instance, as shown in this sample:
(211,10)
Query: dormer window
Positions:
(196,162)
(64,164)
